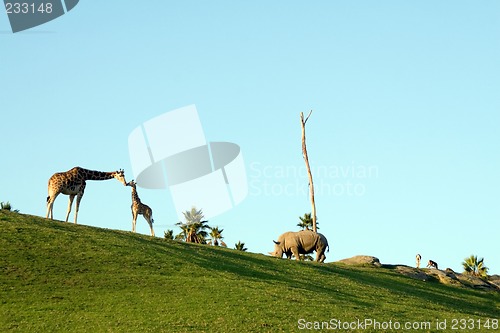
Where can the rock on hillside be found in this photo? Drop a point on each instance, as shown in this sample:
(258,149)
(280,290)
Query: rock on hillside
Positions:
(495,279)
(362,260)
(448,276)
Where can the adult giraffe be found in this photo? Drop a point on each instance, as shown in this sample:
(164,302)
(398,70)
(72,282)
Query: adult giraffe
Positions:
(72,183)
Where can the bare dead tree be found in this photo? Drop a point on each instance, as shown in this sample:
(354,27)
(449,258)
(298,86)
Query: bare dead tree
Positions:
(306,159)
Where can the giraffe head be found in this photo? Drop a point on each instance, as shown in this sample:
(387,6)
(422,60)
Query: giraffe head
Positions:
(120,176)
(132,183)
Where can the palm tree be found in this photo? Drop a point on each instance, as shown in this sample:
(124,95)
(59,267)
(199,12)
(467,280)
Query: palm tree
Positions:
(169,234)
(193,230)
(7,206)
(240,246)
(215,235)
(183,234)
(475,267)
(306,222)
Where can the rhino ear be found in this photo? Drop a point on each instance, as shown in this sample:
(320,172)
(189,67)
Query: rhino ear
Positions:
(275,242)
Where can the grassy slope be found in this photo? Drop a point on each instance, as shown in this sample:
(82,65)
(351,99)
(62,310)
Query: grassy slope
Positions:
(63,277)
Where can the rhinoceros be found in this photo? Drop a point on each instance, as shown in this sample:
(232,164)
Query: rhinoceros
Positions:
(301,242)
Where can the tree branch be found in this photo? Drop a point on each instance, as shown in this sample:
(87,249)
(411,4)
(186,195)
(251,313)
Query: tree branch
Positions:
(306,160)
(305,121)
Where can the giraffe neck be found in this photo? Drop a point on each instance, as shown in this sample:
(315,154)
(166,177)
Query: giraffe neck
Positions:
(135,196)
(95,175)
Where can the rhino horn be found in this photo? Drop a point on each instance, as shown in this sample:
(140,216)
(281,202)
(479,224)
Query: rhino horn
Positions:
(275,242)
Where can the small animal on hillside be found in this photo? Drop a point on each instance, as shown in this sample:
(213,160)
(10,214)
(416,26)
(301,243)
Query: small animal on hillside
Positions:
(432,263)
(301,242)
(418,258)
(138,208)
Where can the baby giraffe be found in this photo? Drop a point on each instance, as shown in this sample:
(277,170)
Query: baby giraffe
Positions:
(138,208)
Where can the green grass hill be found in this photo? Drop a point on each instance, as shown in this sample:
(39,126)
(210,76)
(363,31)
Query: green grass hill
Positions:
(61,277)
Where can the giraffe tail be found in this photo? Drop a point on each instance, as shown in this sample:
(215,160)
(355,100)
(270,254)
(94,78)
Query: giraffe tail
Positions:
(48,198)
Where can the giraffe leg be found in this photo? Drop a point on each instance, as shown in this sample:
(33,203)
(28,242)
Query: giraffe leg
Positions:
(50,205)
(148,216)
(70,203)
(134,220)
(77,208)
(149,219)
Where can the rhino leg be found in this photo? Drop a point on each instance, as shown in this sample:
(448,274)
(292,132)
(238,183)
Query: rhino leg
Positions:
(320,256)
(295,251)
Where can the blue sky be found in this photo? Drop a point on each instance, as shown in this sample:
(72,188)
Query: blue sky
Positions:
(405,90)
